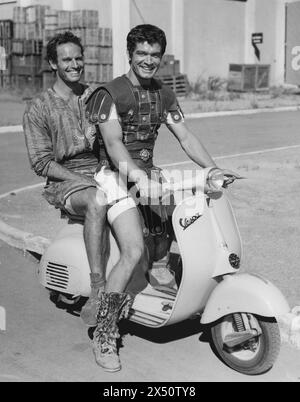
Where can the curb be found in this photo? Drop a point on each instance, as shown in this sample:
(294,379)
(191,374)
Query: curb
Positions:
(23,240)
(11,129)
(196,115)
(242,112)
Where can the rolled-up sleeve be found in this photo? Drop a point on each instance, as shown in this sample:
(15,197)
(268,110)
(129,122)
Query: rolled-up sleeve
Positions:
(38,139)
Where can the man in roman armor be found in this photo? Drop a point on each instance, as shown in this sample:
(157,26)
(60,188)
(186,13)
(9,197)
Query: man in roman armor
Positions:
(127,113)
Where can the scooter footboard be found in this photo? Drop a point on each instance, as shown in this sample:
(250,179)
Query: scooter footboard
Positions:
(244,293)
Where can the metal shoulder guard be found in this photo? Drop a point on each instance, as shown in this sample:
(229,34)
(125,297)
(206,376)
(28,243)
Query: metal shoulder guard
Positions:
(98,106)
(177,115)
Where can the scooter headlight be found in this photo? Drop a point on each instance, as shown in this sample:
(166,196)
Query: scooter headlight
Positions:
(215,179)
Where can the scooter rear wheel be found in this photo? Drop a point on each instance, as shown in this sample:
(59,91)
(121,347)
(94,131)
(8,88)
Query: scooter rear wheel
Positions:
(255,356)
(64,299)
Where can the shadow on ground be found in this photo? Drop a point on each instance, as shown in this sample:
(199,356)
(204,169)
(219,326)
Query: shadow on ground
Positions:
(166,334)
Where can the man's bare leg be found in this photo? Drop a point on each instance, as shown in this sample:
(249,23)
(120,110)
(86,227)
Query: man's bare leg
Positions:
(95,233)
(115,303)
(129,236)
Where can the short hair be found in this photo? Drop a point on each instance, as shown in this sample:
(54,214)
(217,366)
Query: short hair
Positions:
(60,39)
(146,33)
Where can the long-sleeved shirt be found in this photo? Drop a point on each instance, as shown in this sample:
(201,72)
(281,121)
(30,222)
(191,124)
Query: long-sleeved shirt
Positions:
(54,131)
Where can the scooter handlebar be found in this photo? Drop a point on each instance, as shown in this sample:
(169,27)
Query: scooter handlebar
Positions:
(205,180)
(198,180)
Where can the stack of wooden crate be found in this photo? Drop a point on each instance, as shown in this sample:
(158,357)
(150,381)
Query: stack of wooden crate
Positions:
(35,21)
(51,21)
(51,24)
(98,55)
(19,22)
(6,34)
(97,42)
(27,45)
(24,40)
(169,74)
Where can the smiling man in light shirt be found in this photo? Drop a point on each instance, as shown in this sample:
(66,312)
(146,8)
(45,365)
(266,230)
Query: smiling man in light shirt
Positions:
(62,148)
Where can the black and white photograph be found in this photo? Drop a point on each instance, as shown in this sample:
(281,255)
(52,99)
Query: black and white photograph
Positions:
(149,194)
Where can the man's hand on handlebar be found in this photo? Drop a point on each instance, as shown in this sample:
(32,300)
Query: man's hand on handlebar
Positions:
(230,177)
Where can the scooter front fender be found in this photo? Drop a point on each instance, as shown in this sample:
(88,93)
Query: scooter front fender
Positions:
(244,293)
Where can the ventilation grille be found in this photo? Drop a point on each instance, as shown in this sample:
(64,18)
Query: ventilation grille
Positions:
(57,275)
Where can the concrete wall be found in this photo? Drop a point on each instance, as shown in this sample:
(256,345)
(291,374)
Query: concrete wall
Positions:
(267,17)
(156,12)
(213,37)
(270,20)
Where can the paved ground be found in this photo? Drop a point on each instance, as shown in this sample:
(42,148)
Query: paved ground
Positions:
(43,343)
(36,345)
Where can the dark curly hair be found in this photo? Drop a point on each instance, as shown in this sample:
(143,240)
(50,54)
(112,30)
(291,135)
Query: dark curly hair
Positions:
(60,39)
(146,33)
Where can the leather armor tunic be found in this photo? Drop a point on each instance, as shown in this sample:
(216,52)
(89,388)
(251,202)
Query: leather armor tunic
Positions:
(141,112)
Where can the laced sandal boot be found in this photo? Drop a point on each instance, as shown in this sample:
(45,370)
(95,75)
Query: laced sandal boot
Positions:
(90,310)
(126,306)
(107,332)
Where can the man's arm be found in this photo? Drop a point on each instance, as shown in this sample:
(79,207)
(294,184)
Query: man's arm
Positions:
(191,145)
(40,148)
(196,150)
(57,172)
(112,136)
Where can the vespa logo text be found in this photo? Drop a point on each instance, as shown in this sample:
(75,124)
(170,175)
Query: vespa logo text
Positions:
(186,222)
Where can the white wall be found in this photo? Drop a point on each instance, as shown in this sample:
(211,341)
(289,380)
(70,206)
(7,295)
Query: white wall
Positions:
(121,26)
(267,17)
(213,37)
(155,12)
(270,20)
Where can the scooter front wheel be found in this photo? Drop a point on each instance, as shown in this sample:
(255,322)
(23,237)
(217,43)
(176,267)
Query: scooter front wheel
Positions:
(247,343)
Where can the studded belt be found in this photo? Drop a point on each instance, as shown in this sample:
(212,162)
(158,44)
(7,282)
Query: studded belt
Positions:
(145,155)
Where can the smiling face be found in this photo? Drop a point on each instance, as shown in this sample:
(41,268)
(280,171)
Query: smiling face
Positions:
(146,59)
(69,65)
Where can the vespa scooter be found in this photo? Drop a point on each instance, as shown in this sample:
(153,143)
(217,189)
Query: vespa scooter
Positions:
(240,309)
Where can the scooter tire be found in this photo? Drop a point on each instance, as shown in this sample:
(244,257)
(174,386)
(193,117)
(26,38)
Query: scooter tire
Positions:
(65,301)
(240,358)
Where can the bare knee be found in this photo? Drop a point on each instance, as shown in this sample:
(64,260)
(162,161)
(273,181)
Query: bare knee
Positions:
(132,254)
(96,204)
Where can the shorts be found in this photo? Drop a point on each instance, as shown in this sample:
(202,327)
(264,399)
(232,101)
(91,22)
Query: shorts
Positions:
(115,189)
(58,194)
